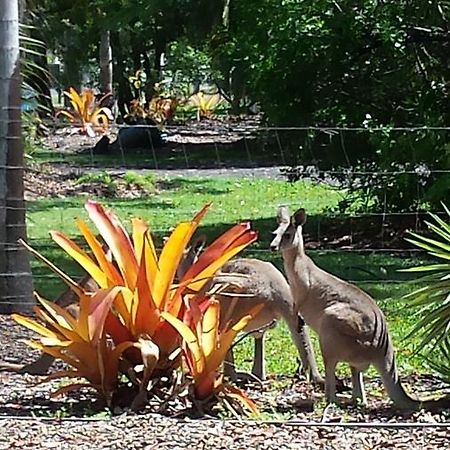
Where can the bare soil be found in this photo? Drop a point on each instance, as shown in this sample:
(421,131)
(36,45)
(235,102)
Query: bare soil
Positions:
(31,418)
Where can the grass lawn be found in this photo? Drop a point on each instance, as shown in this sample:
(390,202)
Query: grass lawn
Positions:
(234,200)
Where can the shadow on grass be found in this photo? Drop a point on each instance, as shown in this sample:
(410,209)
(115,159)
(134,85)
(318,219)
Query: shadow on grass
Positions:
(355,264)
(240,154)
(195,186)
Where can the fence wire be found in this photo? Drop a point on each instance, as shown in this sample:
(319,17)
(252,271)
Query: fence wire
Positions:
(242,150)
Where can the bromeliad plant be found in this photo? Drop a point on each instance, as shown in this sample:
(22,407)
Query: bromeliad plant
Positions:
(432,302)
(79,341)
(205,345)
(206,104)
(87,113)
(130,317)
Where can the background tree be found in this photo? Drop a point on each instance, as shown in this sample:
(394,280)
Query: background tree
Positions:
(350,63)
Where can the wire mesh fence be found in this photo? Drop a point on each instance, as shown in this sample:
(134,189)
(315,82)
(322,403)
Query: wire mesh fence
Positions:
(358,237)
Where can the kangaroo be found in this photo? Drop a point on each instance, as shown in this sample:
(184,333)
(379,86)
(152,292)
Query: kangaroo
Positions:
(264,284)
(350,325)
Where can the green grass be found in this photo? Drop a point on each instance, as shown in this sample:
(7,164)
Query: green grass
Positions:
(234,200)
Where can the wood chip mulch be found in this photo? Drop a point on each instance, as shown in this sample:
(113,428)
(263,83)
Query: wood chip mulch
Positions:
(31,419)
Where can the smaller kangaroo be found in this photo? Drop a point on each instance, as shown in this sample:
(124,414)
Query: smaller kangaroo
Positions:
(262,283)
(265,284)
(350,325)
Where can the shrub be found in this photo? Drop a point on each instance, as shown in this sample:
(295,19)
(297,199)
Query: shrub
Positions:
(134,317)
(432,302)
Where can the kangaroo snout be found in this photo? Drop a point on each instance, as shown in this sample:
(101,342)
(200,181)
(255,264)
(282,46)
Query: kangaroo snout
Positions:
(274,246)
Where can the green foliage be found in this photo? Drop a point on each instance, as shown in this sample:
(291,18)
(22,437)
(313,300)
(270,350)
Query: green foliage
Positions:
(432,302)
(352,64)
(147,181)
(186,67)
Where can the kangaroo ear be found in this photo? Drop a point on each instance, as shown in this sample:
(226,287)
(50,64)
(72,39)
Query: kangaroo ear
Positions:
(299,218)
(283,215)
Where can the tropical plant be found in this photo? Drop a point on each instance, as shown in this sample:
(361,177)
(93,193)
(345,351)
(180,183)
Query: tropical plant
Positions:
(205,345)
(433,301)
(86,111)
(79,341)
(138,82)
(137,292)
(206,104)
(162,109)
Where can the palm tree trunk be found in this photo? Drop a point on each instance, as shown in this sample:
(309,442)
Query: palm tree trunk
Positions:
(106,70)
(15,272)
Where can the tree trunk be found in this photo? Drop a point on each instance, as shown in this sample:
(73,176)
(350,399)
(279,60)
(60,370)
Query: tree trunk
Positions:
(15,273)
(106,68)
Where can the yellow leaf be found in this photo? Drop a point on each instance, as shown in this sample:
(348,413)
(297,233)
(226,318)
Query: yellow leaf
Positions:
(226,339)
(34,326)
(71,283)
(80,256)
(170,259)
(117,239)
(191,341)
(151,260)
(210,328)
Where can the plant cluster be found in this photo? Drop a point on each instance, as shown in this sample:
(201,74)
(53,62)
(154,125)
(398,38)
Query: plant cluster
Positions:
(87,112)
(206,104)
(432,302)
(142,323)
(161,108)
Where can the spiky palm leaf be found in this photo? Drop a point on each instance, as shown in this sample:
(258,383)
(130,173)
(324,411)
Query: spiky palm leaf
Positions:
(432,302)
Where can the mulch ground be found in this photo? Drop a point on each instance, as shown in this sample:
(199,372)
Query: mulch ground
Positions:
(30,418)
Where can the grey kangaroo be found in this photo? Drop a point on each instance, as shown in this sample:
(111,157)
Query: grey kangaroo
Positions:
(350,325)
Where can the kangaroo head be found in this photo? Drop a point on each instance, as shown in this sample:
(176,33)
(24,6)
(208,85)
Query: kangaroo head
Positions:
(289,231)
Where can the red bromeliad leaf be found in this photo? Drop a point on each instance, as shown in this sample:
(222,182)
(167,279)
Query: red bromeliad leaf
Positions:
(97,308)
(216,249)
(218,253)
(105,264)
(117,239)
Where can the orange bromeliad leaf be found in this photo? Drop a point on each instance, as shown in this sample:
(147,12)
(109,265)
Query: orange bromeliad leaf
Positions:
(71,283)
(81,342)
(106,265)
(205,345)
(195,355)
(79,255)
(117,239)
(170,259)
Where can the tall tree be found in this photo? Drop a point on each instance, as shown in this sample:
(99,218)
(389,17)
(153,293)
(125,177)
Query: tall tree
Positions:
(15,272)
(105,57)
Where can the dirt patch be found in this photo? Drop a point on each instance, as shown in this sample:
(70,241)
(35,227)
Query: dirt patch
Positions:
(46,181)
